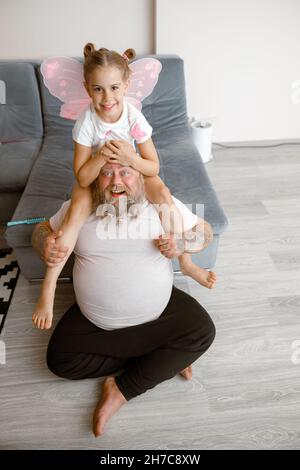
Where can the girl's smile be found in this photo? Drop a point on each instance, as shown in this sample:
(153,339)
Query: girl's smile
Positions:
(107,90)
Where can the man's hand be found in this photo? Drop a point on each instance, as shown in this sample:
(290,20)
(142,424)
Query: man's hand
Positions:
(119,151)
(53,254)
(44,242)
(168,246)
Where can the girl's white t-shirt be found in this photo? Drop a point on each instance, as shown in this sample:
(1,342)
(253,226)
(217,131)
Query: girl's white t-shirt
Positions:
(90,130)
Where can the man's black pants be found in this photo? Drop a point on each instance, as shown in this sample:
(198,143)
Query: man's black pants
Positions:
(147,354)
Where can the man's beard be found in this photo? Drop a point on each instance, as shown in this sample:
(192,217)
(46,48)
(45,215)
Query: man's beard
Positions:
(123,206)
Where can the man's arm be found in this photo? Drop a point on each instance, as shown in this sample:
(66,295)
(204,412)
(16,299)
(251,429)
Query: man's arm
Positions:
(192,241)
(43,241)
(199,237)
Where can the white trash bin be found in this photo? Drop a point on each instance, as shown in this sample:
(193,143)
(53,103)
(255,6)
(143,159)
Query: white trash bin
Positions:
(202,136)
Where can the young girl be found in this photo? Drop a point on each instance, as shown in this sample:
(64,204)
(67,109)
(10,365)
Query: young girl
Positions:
(109,119)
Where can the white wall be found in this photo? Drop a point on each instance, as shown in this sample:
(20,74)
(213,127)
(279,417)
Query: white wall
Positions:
(35,29)
(241,60)
(241,56)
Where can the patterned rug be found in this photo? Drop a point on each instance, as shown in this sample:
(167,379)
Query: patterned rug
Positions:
(9,273)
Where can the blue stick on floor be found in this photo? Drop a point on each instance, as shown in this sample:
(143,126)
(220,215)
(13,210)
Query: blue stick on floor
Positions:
(35,220)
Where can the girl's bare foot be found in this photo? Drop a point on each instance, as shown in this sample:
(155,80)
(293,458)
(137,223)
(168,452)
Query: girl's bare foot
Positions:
(111,400)
(187,373)
(204,277)
(43,313)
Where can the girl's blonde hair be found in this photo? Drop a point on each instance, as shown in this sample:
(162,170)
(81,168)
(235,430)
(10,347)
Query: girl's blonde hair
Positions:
(103,57)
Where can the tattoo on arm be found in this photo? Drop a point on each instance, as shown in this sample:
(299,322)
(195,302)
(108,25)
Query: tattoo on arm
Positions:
(208,234)
(40,233)
(199,237)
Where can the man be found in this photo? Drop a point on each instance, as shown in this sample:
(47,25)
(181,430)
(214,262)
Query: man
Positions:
(128,317)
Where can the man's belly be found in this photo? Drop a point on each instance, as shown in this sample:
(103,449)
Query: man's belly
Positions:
(119,293)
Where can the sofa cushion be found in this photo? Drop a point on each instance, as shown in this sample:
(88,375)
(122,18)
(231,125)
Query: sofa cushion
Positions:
(16,161)
(53,123)
(53,175)
(9,202)
(28,207)
(183,171)
(50,183)
(165,108)
(20,110)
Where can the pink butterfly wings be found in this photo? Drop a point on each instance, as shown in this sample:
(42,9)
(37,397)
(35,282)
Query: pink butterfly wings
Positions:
(63,76)
(145,73)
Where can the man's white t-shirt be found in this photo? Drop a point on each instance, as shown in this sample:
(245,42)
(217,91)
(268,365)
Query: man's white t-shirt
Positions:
(91,131)
(120,277)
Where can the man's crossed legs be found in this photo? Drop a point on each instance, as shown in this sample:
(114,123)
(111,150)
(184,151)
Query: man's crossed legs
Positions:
(147,354)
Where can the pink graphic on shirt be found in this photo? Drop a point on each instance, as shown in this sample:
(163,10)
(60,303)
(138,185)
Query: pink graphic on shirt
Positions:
(137,132)
(108,134)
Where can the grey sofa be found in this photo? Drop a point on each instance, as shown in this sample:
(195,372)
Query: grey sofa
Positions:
(36,154)
(21,131)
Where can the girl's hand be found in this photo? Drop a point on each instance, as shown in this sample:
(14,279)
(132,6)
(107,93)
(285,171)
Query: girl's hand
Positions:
(119,151)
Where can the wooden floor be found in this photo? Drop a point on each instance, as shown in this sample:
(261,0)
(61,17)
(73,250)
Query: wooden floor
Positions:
(245,393)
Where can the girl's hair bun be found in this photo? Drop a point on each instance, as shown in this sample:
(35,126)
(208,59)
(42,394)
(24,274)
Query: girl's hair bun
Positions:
(103,57)
(88,49)
(130,54)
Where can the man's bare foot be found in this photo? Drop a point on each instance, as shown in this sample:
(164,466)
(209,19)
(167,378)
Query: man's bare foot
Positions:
(187,373)
(204,277)
(43,312)
(111,400)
